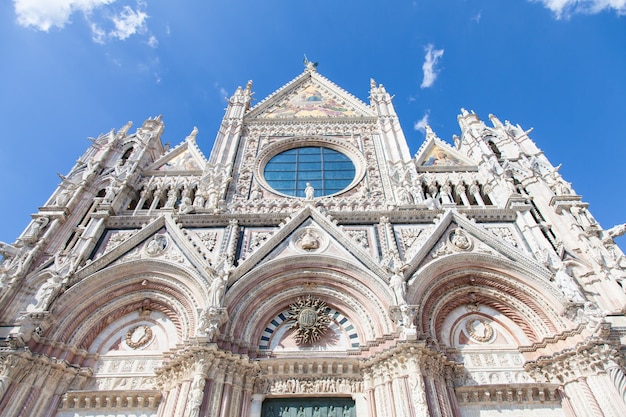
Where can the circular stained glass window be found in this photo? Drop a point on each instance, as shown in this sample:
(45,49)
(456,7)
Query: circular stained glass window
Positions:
(326,170)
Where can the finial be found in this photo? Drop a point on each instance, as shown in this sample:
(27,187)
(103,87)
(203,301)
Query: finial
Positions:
(125,128)
(309,65)
(372,83)
(192,135)
(429,132)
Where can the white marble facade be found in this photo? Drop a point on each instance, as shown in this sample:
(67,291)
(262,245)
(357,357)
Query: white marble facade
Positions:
(311,267)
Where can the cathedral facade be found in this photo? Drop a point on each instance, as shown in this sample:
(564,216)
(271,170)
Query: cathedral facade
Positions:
(311,267)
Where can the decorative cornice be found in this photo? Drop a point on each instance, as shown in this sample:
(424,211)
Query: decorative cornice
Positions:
(507,393)
(110,400)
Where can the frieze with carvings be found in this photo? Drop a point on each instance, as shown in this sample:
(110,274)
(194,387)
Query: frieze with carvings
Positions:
(327,385)
(110,366)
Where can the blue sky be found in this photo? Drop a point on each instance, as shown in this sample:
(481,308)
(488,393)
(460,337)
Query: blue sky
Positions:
(72,69)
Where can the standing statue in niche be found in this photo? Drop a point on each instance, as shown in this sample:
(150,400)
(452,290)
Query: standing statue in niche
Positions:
(111,190)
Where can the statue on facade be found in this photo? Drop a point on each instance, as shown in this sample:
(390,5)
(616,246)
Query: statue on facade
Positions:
(557,184)
(398,284)
(46,293)
(197,394)
(8,251)
(568,287)
(186,205)
(65,265)
(35,230)
(110,193)
(309,191)
(614,232)
(89,170)
(216,291)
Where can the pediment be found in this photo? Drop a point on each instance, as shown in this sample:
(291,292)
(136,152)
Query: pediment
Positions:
(186,158)
(454,235)
(310,96)
(308,233)
(159,240)
(436,154)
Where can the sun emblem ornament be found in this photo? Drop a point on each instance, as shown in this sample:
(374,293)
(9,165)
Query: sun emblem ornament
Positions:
(310,319)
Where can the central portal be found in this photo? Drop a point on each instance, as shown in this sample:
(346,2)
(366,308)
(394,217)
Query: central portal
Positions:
(308,407)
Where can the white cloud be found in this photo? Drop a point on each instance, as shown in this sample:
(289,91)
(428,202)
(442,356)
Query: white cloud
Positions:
(104,23)
(97,34)
(421,124)
(128,23)
(566,8)
(430,61)
(153,41)
(44,14)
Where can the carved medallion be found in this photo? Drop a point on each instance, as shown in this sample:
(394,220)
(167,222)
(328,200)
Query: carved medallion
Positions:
(310,319)
(138,336)
(460,240)
(309,239)
(156,245)
(479,330)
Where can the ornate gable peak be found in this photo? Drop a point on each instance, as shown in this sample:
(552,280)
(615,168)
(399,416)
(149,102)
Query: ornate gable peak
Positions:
(186,158)
(306,82)
(435,154)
